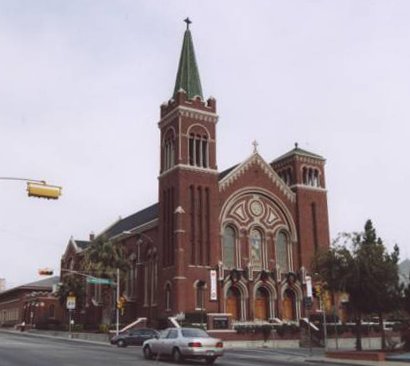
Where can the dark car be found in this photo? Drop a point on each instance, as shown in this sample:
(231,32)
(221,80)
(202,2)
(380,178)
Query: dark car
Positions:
(134,337)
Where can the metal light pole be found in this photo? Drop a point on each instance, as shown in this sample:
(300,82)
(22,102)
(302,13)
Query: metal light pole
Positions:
(324,322)
(117,328)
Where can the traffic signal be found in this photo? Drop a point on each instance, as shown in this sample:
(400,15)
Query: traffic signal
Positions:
(45,272)
(121,303)
(317,290)
(43,190)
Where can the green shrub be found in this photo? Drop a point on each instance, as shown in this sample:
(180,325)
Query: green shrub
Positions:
(104,328)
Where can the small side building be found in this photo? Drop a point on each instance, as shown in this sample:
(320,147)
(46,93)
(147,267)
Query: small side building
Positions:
(30,303)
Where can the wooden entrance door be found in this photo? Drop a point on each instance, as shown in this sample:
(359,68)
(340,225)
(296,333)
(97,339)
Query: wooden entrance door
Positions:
(261,304)
(288,305)
(233,303)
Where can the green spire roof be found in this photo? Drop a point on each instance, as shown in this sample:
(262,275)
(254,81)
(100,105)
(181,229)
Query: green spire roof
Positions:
(188,74)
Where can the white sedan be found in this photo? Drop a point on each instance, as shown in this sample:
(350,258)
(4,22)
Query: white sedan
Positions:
(181,343)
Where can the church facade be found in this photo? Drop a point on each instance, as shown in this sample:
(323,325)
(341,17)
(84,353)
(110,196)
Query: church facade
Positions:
(236,242)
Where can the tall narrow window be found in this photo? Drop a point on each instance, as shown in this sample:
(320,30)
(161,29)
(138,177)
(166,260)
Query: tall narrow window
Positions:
(168,297)
(282,252)
(229,247)
(130,280)
(191,150)
(200,295)
(52,311)
(256,248)
(205,152)
(198,151)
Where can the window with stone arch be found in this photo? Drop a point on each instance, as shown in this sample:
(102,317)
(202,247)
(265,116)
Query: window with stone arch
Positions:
(256,239)
(282,251)
(229,247)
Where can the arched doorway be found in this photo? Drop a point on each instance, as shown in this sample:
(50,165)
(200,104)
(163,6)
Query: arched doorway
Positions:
(261,304)
(233,302)
(289,305)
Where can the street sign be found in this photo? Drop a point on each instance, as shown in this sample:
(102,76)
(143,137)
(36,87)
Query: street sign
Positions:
(99,281)
(70,302)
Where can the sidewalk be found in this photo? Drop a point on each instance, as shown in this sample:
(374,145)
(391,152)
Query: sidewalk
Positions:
(396,360)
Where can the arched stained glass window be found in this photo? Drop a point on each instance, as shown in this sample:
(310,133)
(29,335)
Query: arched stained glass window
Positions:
(282,252)
(256,248)
(229,240)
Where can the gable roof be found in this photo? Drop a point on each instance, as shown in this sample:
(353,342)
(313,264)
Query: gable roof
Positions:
(232,174)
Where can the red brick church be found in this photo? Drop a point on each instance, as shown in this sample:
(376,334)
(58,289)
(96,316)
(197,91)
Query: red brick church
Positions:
(238,241)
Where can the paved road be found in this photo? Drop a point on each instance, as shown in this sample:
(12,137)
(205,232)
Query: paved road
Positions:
(27,350)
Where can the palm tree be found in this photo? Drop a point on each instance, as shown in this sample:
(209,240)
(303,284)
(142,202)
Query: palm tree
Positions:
(102,259)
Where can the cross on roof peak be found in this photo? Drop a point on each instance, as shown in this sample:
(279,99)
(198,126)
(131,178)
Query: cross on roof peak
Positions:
(255,146)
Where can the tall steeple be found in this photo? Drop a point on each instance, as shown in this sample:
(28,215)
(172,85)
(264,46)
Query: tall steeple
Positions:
(188,74)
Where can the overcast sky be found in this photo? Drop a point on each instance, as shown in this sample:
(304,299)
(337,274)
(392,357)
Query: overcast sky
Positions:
(81,82)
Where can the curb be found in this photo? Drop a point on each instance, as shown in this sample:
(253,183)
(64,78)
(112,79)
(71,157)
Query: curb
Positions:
(40,335)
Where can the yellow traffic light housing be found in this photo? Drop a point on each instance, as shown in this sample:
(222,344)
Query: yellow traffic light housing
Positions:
(43,190)
(121,302)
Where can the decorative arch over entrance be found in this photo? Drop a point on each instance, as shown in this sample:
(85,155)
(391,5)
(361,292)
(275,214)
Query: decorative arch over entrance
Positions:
(264,296)
(235,298)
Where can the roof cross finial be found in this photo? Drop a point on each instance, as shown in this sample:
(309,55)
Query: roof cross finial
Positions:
(188,22)
(255,146)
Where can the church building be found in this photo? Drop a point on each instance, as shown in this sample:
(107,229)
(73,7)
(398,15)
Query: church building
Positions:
(238,241)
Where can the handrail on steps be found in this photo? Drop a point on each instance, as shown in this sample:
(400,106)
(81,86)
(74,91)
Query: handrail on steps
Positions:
(310,324)
(131,325)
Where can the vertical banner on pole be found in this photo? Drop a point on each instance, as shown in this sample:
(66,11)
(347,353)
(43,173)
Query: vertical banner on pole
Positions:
(308,280)
(213,292)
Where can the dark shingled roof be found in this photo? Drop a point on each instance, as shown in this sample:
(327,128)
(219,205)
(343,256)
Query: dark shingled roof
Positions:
(47,282)
(223,174)
(82,244)
(41,285)
(137,219)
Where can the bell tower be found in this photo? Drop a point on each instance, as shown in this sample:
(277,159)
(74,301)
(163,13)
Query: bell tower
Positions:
(188,181)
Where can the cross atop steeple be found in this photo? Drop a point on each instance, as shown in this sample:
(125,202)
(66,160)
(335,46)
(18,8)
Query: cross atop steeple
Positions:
(188,22)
